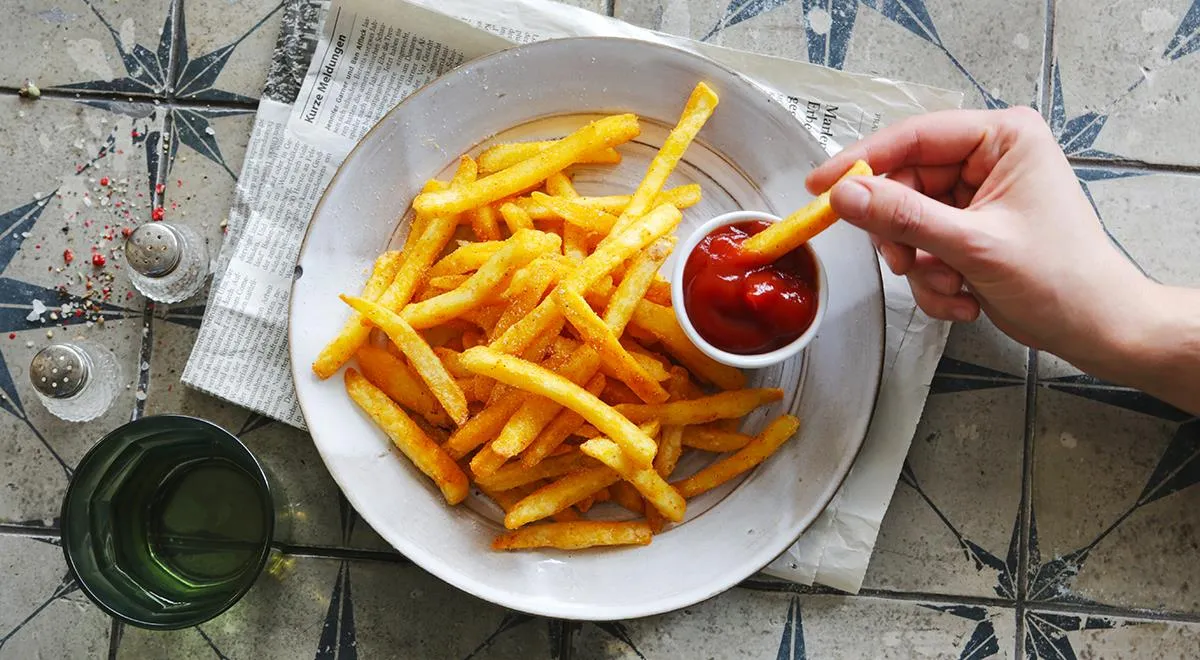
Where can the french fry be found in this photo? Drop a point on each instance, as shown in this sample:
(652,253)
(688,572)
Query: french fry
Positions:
(598,264)
(465,259)
(647,481)
(681,197)
(558,495)
(467,171)
(615,393)
(486,462)
(670,447)
(699,107)
(575,535)
(447,282)
(515,217)
(652,363)
(334,354)
(398,381)
(484,426)
(733,404)
(538,380)
(601,337)
(502,156)
(536,413)
(636,282)
(485,222)
(600,134)
(574,238)
(708,438)
(539,281)
(417,260)
(559,429)
(624,494)
(798,228)
(523,247)
(515,475)
(583,217)
(419,354)
(660,322)
(408,437)
(654,519)
(746,458)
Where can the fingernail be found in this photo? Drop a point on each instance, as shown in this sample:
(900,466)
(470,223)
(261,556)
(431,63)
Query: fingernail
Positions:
(963,313)
(853,198)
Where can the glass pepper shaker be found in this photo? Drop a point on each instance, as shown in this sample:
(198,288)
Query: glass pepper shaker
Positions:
(168,263)
(76,381)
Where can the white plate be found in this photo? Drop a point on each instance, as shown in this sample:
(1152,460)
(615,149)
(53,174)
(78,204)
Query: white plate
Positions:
(752,154)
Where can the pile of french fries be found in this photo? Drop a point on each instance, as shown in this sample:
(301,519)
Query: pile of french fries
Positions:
(532,349)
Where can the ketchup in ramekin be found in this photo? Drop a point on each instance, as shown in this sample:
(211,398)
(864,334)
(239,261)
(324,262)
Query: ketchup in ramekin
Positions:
(745,308)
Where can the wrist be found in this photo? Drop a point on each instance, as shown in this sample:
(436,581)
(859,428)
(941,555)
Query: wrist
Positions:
(1157,349)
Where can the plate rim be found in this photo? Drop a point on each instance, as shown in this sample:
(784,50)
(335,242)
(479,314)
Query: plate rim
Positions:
(717,586)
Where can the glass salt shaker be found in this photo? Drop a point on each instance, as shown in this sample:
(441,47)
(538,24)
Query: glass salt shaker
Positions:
(168,263)
(76,381)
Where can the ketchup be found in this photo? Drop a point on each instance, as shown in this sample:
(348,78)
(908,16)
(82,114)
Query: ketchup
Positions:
(743,308)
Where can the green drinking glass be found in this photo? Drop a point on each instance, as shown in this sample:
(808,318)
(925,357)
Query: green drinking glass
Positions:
(168,521)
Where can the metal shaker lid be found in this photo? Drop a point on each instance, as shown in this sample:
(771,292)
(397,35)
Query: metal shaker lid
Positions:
(59,370)
(154,249)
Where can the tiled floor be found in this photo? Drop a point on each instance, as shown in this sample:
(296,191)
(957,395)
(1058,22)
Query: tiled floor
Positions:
(1037,516)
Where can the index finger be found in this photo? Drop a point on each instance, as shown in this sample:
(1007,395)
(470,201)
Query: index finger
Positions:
(938,138)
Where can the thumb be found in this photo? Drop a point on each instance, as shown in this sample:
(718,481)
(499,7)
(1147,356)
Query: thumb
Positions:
(895,212)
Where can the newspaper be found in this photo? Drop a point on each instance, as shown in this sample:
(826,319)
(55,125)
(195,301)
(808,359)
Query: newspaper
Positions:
(364,58)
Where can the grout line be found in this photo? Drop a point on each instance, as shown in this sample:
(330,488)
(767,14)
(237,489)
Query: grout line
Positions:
(566,640)
(176,39)
(1048,59)
(144,354)
(610,8)
(1133,166)
(26,530)
(1025,512)
(1110,611)
(114,638)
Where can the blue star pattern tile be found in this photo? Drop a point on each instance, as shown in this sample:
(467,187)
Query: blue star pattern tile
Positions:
(42,611)
(1055,636)
(1137,70)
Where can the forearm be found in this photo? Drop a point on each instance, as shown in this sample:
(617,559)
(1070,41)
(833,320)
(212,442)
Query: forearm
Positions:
(1158,351)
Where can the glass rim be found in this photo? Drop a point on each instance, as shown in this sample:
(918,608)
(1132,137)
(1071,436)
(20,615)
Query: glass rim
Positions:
(261,478)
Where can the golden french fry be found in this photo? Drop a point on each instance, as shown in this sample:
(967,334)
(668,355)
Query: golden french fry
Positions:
(615,393)
(653,364)
(575,535)
(598,335)
(558,495)
(335,354)
(559,429)
(799,227)
(755,452)
(485,222)
(536,413)
(654,226)
(508,499)
(670,447)
(523,247)
(484,426)
(600,134)
(467,171)
(484,317)
(538,380)
(681,197)
(696,112)
(419,354)
(660,292)
(515,217)
(624,494)
(408,437)
(583,217)
(515,475)
(486,462)
(502,156)
(708,438)
(647,481)
(660,322)
(398,381)
(636,282)
(654,519)
(465,259)
(733,404)
(575,244)
(541,279)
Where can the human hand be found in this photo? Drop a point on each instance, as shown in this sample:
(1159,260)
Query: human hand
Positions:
(980,209)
